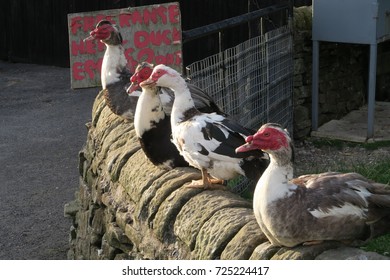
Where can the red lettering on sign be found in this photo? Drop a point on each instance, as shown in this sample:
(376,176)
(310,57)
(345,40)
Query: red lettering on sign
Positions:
(89,23)
(150,15)
(131,61)
(162,12)
(136,17)
(169,59)
(157,38)
(124,20)
(90,47)
(146,55)
(141,39)
(90,67)
(76,70)
(77,48)
(173,12)
(81,47)
(160,59)
(75,24)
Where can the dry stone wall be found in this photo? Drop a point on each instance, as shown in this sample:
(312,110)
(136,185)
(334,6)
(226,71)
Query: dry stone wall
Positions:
(126,208)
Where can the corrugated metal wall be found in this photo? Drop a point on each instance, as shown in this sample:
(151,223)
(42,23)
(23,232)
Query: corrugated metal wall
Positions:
(36,31)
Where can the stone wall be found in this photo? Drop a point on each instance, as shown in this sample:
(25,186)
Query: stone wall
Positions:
(342,76)
(126,208)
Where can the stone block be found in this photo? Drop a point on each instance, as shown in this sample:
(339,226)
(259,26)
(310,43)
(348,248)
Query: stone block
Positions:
(167,203)
(199,209)
(142,207)
(265,251)
(244,243)
(138,174)
(303,252)
(218,231)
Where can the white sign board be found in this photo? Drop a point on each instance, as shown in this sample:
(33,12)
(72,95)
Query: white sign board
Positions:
(150,33)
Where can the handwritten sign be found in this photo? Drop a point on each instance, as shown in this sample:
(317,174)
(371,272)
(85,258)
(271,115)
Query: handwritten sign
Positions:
(150,33)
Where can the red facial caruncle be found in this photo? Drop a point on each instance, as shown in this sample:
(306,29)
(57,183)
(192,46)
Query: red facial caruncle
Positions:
(102,32)
(269,138)
(158,74)
(138,78)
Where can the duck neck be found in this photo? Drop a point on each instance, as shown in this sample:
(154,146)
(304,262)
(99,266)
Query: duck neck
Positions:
(114,61)
(275,182)
(149,111)
(183,103)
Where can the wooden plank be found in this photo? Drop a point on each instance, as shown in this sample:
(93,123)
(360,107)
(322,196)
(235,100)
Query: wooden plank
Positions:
(150,33)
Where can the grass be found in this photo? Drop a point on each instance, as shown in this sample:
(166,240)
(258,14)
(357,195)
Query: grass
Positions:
(380,245)
(379,172)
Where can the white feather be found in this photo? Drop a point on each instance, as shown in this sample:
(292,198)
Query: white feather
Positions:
(345,210)
(113,58)
(146,111)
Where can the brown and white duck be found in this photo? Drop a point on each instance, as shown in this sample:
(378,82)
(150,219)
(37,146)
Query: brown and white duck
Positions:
(115,74)
(207,141)
(317,207)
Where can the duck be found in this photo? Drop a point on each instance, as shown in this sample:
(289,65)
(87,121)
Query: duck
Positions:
(313,208)
(207,141)
(152,118)
(203,101)
(115,74)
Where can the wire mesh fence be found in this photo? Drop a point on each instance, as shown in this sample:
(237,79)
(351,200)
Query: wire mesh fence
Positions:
(252,82)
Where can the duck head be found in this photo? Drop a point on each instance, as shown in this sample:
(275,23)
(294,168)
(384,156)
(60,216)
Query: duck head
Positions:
(272,139)
(142,73)
(164,76)
(106,32)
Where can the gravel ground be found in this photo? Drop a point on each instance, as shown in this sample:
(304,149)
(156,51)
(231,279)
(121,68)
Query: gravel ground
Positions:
(42,129)
(312,158)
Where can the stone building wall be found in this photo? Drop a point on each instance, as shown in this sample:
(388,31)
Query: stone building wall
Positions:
(342,76)
(126,208)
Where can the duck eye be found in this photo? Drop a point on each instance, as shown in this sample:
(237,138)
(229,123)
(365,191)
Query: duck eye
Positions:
(267,134)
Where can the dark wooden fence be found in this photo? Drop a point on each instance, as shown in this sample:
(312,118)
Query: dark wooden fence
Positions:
(36,31)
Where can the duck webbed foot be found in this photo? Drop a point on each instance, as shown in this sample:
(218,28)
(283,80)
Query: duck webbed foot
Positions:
(207,183)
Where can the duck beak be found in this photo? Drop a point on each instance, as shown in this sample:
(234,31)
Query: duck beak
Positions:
(249,146)
(246,147)
(133,87)
(91,35)
(148,82)
(89,38)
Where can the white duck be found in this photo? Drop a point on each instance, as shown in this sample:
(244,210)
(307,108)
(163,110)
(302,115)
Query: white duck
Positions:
(317,207)
(115,75)
(152,118)
(207,141)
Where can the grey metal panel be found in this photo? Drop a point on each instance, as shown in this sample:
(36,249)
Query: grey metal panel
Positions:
(345,21)
(383,25)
